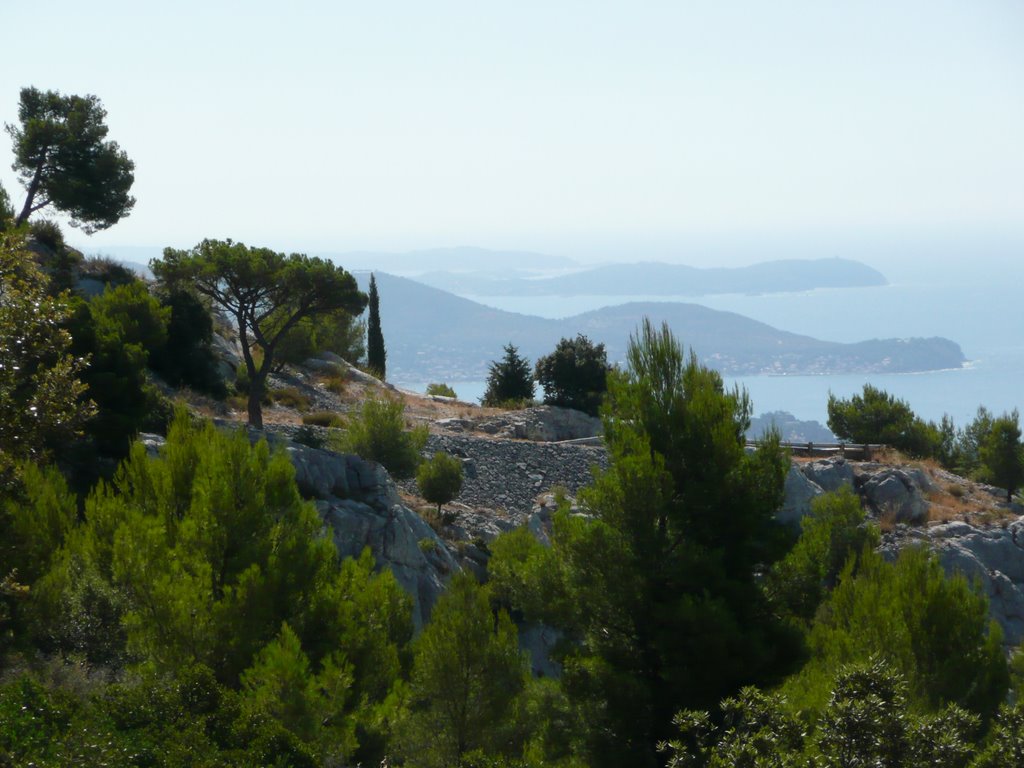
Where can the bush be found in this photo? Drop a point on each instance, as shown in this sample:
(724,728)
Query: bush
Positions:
(48,233)
(934,629)
(323,419)
(509,380)
(336,384)
(574,375)
(440,479)
(377,433)
(119,329)
(832,534)
(877,417)
(187,358)
(6,209)
(290,397)
(440,390)
(107,271)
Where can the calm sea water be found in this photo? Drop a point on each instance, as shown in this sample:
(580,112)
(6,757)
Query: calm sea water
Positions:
(978,304)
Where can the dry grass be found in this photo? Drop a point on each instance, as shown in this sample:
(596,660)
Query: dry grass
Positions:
(323,419)
(888,518)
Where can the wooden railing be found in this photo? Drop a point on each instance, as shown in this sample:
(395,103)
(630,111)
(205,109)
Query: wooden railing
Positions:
(853,451)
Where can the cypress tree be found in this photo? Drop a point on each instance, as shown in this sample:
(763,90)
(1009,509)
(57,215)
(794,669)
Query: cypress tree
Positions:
(376,355)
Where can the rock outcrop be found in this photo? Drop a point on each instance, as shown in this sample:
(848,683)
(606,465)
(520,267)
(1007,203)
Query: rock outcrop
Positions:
(544,423)
(359,502)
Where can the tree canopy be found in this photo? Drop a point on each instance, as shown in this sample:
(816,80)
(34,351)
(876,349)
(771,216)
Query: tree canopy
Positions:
(265,293)
(575,374)
(657,584)
(64,160)
(509,379)
(875,416)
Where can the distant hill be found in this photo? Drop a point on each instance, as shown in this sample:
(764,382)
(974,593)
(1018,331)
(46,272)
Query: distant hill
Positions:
(461,259)
(434,335)
(659,279)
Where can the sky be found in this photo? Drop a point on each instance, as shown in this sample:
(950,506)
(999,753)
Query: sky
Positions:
(704,132)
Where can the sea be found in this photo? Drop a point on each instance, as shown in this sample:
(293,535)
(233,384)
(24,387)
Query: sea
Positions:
(977,303)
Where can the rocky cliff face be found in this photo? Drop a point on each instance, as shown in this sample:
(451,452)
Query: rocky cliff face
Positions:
(360,504)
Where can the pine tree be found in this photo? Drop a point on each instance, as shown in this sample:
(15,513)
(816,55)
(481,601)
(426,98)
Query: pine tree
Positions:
(376,355)
(509,380)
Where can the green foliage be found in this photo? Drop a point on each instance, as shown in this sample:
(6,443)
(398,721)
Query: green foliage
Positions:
(835,531)
(323,419)
(933,629)
(208,549)
(467,674)
(290,397)
(337,332)
(657,586)
(41,402)
(64,159)
(267,294)
(440,479)
(187,359)
(376,354)
(441,390)
(47,232)
(756,730)
(574,375)
(117,329)
(877,417)
(868,721)
(1006,742)
(509,380)
(377,432)
(6,210)
(280,685)
(1002,455)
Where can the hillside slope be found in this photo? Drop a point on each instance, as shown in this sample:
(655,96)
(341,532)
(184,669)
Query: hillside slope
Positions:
(434,335)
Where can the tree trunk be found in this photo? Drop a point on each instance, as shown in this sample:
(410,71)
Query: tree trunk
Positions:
(30,194)
(255,404)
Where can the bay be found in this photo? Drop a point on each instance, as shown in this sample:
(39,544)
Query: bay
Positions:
(977,303)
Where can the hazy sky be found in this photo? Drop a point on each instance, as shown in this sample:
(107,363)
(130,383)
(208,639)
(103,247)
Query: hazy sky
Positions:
(590,129)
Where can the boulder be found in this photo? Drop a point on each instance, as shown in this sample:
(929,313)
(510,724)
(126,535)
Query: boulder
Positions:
(359,503)
(799,492)
(830,474)
(545,424)
(895,494)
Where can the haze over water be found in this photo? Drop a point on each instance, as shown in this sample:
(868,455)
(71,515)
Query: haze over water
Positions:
(976,301)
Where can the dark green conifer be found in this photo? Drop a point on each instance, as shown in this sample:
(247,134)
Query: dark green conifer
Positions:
(376,355)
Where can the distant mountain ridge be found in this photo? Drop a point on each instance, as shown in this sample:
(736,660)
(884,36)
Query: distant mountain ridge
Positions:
(433,335)
(661,279)
(459,259)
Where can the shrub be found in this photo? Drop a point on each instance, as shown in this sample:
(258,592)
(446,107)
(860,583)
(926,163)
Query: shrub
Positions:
(574,375)
(932,628)
(323,419)
(440,479)
(832,534)
(107,271)
(509,380)
(290,397)
(440,390)
(336,384)
(187,358)
(877,417)
(48,233)
(377,433)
